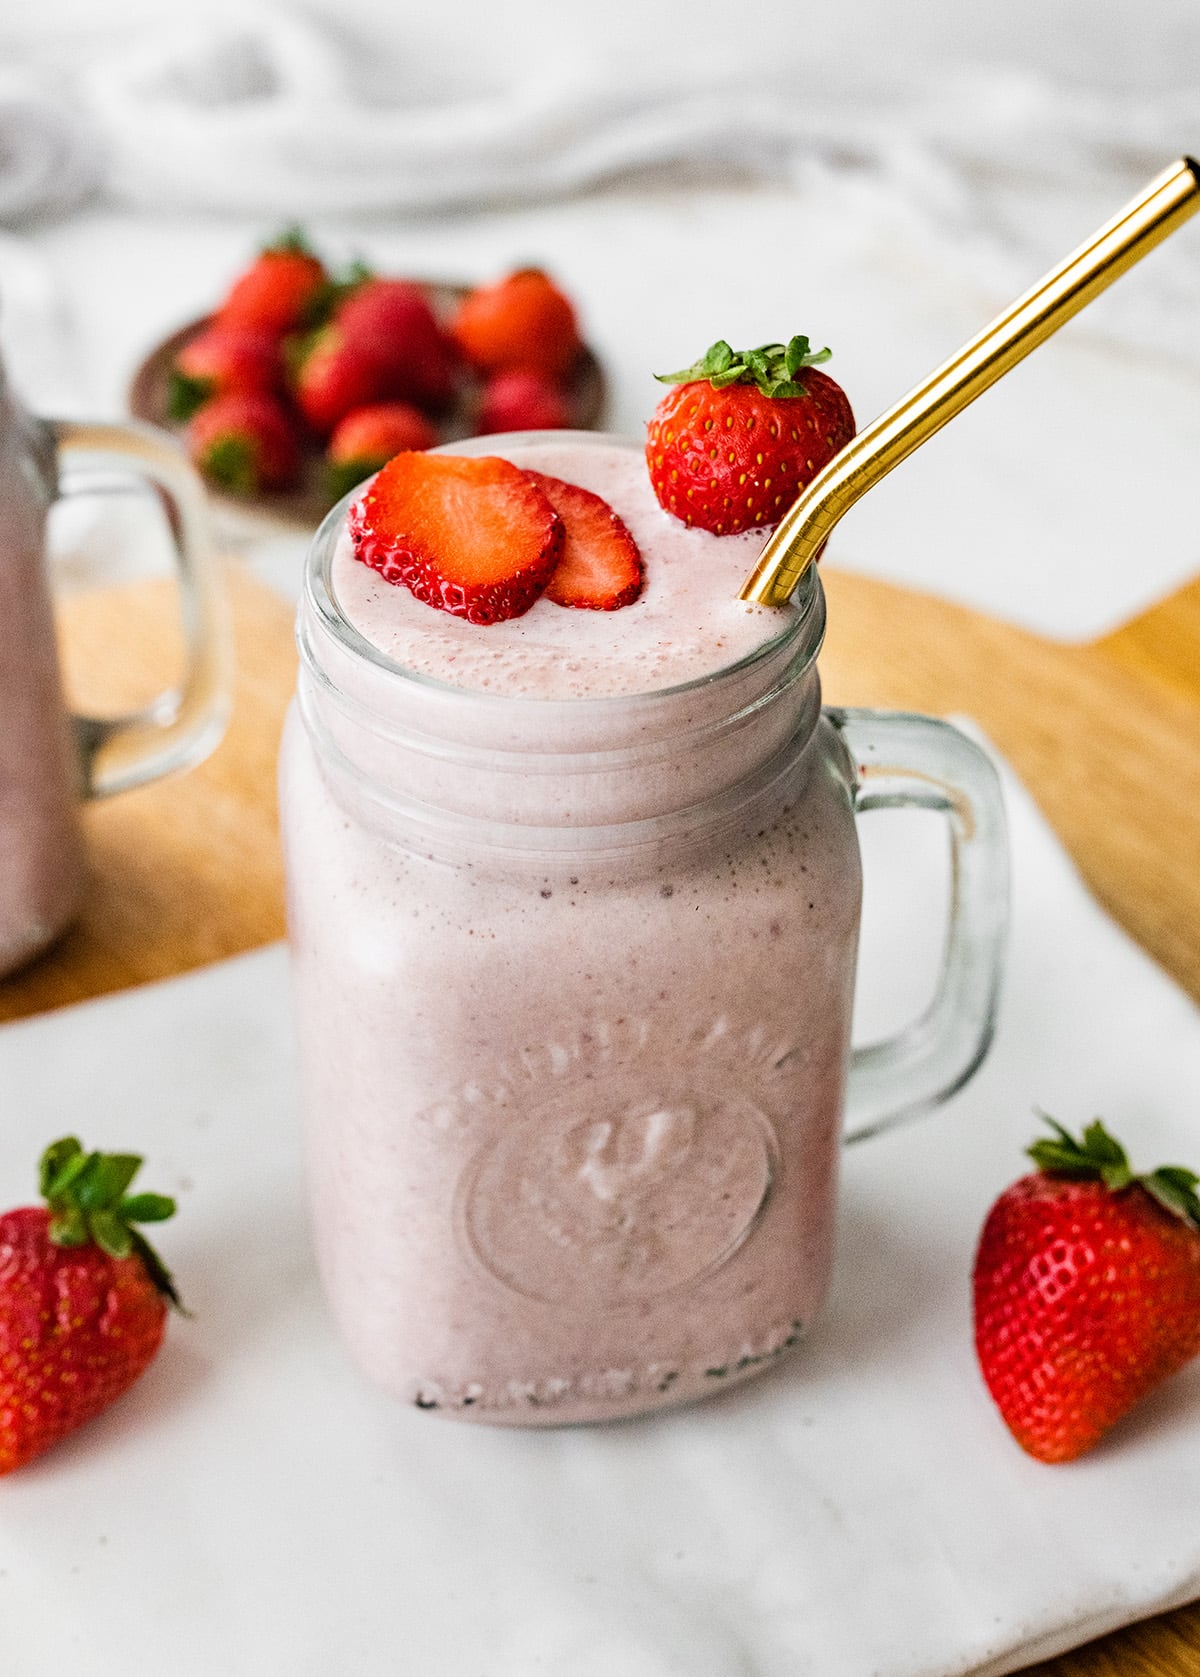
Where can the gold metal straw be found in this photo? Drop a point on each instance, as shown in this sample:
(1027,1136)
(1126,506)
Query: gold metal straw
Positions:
(1165,204)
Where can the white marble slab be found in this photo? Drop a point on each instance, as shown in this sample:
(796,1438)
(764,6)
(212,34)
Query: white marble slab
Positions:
(253,1508)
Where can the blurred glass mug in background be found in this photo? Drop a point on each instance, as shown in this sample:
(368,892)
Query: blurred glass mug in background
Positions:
(49,761)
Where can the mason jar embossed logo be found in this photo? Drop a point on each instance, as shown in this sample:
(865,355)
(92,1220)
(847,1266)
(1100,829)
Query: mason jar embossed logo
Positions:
(610,1179)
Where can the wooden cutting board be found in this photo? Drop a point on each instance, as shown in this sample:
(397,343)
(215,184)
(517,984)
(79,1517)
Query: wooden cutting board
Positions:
(1106,736)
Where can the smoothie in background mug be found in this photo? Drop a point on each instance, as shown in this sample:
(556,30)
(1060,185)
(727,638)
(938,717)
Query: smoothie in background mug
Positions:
(49,761)
(574,904)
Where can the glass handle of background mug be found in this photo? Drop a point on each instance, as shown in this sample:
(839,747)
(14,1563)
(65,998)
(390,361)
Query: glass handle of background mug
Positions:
(916,762)
(182,725)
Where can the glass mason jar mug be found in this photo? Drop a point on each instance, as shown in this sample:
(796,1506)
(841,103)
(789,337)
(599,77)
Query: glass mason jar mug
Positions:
(49,761)
(574,982)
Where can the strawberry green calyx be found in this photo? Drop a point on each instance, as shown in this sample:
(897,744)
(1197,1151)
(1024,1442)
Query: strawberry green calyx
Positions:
(291,240)
(772,367)
(186,395)
(86,1193)
(1098,1155)
(232,463)
(329,296)
(341,476)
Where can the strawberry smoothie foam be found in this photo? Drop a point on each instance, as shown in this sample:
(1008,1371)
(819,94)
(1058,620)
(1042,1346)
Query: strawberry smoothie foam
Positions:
(687,621)
(574,905)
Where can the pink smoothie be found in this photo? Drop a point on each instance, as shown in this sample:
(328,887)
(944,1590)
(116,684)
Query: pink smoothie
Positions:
(574,911)
(41,876)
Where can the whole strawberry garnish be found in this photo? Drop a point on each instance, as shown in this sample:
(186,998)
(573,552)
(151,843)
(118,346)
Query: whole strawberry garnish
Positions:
(522,321)
(1087,1290)
(473,536)
(392,322)
(277,293)
(245,442)
(368,438)
(601,567)
(521,401)
(219,360)
(83,1298)
(742,433)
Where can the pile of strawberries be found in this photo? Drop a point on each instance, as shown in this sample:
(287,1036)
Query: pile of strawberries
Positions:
(297,360)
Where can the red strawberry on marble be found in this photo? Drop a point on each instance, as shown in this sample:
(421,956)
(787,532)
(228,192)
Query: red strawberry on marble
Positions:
(732,445)
(1087,1290)
(83,1298)
(245,443)
(471,535)
(522,401)
(600,568)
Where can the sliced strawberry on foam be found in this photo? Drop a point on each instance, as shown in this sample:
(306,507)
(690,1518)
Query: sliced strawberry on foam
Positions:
(601,568)
(474,536)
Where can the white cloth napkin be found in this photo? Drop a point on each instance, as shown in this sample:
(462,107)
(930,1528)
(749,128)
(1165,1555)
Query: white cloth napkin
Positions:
(50,155)
(267,111)
(252,1507)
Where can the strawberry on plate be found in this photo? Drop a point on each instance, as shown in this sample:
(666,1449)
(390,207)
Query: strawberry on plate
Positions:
(221,359)
(392,322)
(1087,1290)
(245,442)
(742,433)
(278,291)
(522,321)
(83,1298)
(601,567)
(521,401)
(473,536)
(333,376)
(367,439)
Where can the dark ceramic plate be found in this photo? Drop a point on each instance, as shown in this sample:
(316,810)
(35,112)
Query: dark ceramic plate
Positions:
(307,503)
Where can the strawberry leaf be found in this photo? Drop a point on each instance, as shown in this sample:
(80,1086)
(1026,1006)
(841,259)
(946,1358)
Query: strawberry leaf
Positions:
(758,364)
(186,395)
(89,1205)
(799,354)
(341,476)
(1101,1146)
(772,367)
(104,1180)
(110,1234)
(232,462)
(1175,1189)
(68,1228)
(1099,1154)
(147,1208)
(329,296)
(290,240)
(60,1164)
(1062,1161)
(157,1270)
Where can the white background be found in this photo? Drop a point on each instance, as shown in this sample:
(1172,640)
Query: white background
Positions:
(941,157)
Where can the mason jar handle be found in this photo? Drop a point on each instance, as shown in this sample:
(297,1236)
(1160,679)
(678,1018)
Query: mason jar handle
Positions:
(916,762)
(182,725)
